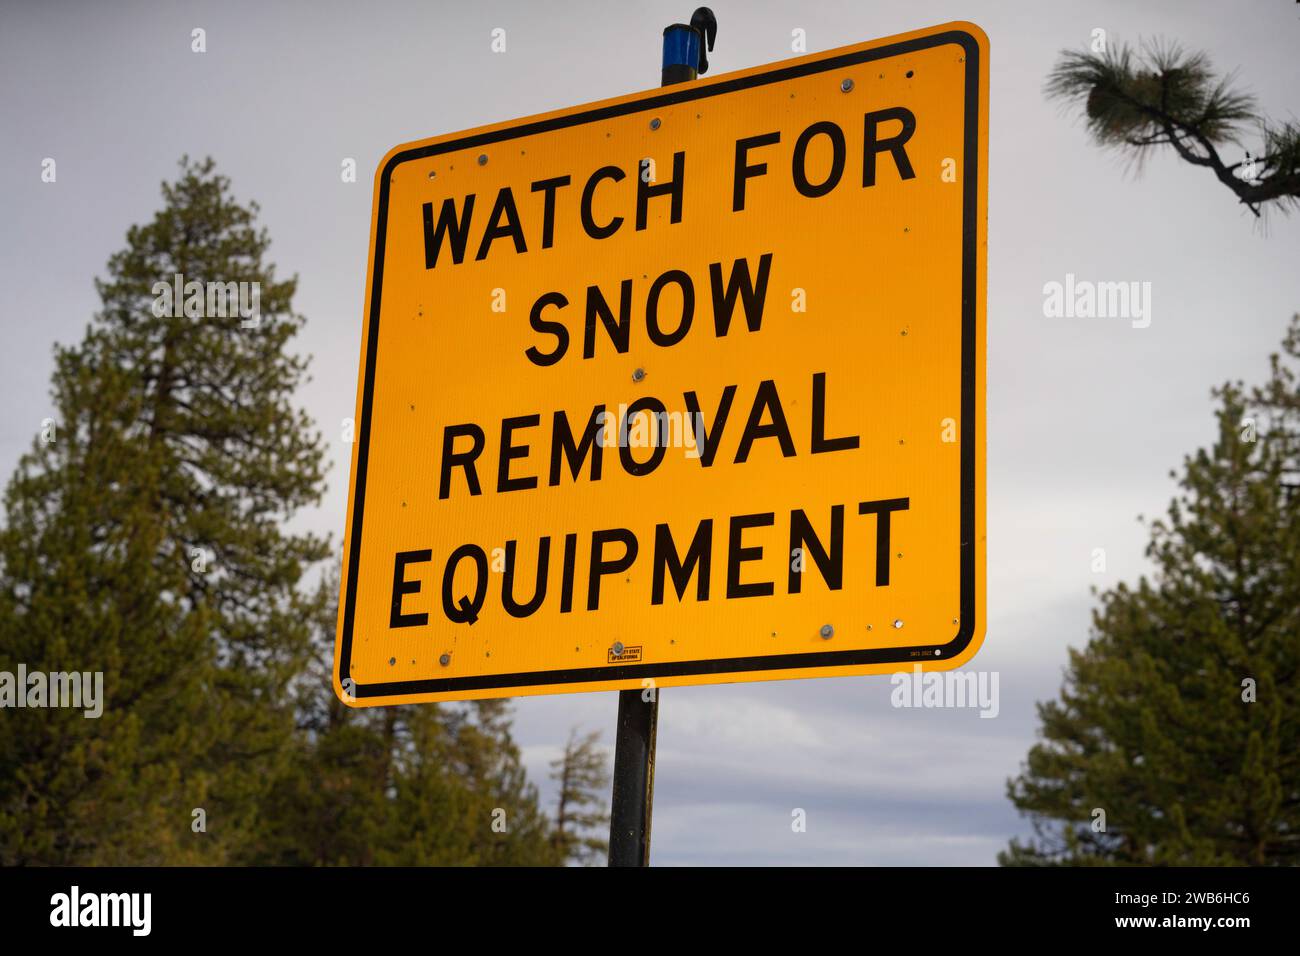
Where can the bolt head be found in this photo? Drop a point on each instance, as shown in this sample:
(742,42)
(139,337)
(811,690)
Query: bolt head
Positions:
(618,647)
(482,159)
(655,123)
(827,631)
(638,374)
(444,660)
(846,85)
(898,624)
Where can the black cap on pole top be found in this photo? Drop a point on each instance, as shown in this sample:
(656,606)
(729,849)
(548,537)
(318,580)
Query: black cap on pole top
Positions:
(706,23)
(686,47)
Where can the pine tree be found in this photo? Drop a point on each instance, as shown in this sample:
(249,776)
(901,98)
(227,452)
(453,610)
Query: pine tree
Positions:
(1161,96)
(1180,720)
(499,814)
(581,817)
(413,785)
(147,541)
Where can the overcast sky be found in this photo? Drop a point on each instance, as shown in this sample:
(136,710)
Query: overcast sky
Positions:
(1085,416)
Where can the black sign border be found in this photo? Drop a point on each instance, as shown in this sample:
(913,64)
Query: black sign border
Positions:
(684,93)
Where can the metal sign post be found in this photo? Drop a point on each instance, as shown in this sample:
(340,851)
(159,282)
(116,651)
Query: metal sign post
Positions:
(686,48)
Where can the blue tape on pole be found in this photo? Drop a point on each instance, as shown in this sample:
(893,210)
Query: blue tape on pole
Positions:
(681,47)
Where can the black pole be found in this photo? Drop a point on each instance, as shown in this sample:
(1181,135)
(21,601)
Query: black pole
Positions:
(632,799)
(634,779)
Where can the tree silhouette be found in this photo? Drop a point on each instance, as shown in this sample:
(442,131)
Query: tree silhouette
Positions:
(1161,96)
(1180,720)
(148,539)
(581,817)
(148,542)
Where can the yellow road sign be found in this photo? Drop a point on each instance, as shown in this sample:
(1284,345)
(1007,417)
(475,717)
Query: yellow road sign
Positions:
(681,387)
